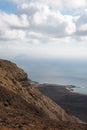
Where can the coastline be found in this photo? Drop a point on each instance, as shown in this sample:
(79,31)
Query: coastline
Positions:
(73,102)
(71,89)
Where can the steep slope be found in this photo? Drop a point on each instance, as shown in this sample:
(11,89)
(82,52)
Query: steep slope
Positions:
(23,107)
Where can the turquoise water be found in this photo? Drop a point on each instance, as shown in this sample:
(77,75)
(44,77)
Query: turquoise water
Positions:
(57,71)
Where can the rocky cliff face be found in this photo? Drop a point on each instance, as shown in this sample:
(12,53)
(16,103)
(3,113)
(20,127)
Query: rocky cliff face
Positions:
(24,107)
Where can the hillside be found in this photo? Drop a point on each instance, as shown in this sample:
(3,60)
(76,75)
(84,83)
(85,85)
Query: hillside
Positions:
(22,107)
(72,102)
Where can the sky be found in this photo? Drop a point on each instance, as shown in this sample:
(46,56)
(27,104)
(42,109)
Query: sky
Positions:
(43,28)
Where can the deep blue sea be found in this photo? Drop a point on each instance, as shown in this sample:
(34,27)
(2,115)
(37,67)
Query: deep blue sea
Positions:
(57,71)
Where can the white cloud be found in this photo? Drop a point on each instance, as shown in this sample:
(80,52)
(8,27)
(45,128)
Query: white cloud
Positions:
(81,25)
(41,28)
(14,20)
(75,3)
(52,22)
(44,21)
(12,26)
(62,3)
(83,39)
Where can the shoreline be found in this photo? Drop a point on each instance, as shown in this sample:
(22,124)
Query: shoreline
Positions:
(73,102)
(70,88)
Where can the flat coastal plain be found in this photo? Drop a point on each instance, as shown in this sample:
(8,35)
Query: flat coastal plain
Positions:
(72,102)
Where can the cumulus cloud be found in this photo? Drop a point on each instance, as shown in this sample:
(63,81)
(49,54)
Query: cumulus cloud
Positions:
(44,21)
(81,27)
(14,20)
(27,8)
(40,20)
(53,23)
(58,4)
(75,3)
(12,26)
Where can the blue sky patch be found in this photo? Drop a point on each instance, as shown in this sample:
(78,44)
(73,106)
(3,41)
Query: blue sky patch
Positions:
(8,6)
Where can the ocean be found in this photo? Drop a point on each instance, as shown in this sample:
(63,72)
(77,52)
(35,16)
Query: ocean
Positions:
(57,71)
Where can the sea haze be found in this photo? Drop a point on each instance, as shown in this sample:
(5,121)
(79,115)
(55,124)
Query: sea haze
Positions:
(57,71)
